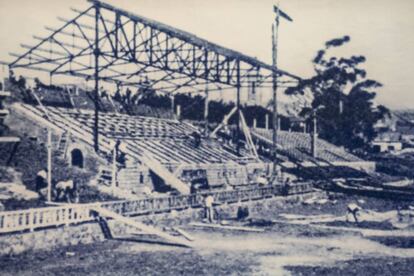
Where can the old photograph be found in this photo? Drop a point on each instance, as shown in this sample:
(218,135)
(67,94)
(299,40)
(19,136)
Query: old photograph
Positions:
(206,137)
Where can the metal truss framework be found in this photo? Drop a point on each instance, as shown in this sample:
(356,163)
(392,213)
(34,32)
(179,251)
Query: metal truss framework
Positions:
(110,44)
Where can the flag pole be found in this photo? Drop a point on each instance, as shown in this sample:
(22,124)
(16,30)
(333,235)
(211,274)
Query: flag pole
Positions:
(275,33)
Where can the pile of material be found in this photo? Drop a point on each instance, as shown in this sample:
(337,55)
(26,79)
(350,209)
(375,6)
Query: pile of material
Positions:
(16,191)
(11,186)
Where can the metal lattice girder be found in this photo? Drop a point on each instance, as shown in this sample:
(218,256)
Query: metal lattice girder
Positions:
(133,50)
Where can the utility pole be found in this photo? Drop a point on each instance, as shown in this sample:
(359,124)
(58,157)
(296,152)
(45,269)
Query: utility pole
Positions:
(275,29)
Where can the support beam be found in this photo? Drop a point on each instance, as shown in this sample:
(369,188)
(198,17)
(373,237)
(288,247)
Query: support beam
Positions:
(206,72)
(314,137)
(49,165)
(206,102)
(238,109)
(160,170)
(179,54)
(224,122)
(96,77)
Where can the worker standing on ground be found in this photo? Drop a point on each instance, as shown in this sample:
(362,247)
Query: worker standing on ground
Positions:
(286,186)
(353,209)
(208,208)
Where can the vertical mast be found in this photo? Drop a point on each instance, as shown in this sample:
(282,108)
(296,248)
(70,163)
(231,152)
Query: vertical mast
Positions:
(275,27)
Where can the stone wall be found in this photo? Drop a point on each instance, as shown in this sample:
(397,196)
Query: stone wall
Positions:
(47,239)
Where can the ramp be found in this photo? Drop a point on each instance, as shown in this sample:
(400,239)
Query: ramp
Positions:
(165,174)
(141,226)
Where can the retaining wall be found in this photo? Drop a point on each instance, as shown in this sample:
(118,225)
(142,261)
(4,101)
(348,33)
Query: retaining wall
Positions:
(89,232)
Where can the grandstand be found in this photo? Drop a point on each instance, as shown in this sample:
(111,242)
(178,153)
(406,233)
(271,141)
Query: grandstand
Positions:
(164,147)
(296,147)
(168,142)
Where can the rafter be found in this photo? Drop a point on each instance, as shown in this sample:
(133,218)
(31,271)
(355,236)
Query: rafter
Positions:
(169,57)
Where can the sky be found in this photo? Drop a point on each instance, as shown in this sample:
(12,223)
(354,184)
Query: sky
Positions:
(382,31)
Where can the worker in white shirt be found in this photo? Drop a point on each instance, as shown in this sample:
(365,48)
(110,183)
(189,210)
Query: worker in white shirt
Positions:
(66,191)
(208,208)
(261,180)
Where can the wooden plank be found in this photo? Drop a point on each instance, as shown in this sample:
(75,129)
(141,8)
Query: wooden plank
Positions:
(9,139)
(224,122)
(143,227)
(248,136)
(165,174)
(183,233)
(226,227)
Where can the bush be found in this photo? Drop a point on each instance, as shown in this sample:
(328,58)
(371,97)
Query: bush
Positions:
(5,176)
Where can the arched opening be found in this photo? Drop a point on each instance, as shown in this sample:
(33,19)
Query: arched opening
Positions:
(77,158)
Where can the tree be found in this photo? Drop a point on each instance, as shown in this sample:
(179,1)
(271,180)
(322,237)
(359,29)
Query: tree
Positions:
(343,96)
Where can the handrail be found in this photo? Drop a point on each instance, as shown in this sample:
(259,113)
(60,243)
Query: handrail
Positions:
(35,218)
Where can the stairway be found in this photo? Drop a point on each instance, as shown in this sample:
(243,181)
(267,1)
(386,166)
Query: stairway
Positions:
(105,176)
(133,178)
(103,223)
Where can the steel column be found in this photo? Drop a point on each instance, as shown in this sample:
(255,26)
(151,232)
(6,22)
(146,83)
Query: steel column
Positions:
(96,77)
(206,93)
(238,108)
(275,27)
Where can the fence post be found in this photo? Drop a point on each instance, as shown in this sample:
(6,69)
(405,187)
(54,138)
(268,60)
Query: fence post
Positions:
(31,220)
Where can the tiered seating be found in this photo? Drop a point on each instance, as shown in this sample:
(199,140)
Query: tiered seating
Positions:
(298,146)
(130,127)
(168,141)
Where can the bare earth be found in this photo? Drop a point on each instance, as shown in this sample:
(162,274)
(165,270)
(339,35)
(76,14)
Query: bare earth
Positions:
(283,249)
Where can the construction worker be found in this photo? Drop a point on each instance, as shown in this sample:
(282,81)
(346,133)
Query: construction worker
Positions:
(119,153)
(287,186)
(197,139)
(41,183)
(208,208)
(354,210)
(66,191)
(261,180)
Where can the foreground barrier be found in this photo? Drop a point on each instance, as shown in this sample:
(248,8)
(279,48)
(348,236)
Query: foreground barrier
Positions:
(28,220)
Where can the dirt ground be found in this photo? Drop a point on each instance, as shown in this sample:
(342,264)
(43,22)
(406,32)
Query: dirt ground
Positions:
(282,249)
